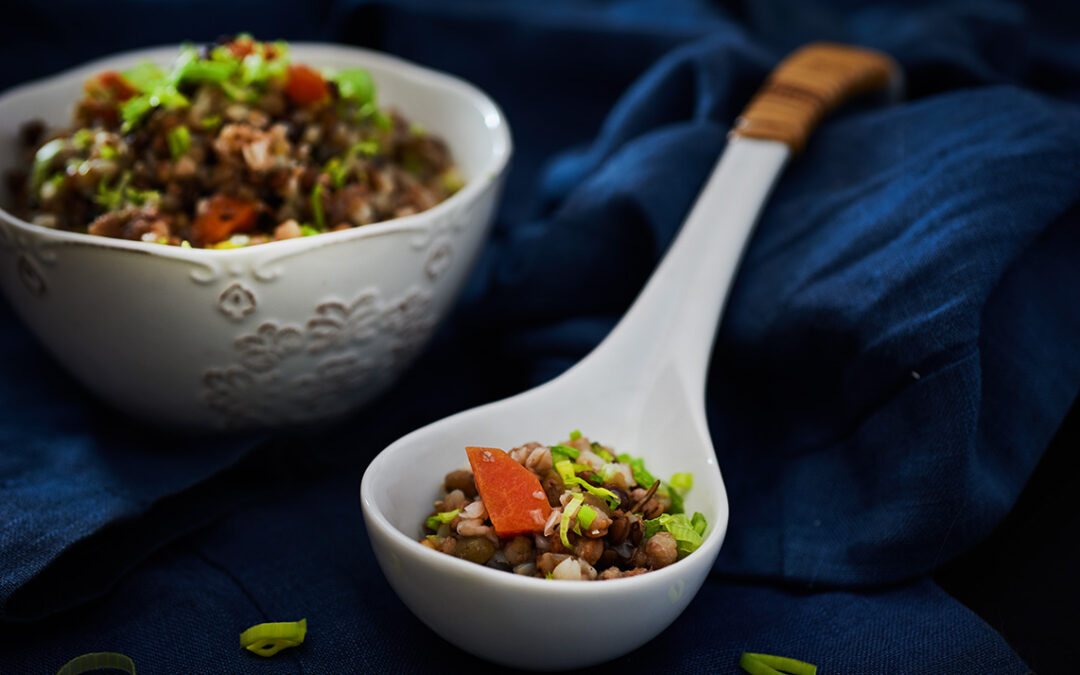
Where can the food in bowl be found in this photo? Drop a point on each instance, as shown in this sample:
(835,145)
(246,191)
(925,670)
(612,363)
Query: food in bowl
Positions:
(232,146)
(571,511)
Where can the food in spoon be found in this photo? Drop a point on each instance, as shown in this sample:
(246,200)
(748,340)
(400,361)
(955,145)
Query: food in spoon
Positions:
(572,511)
(233,145)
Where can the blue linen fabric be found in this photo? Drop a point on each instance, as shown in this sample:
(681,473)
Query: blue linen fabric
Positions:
(898,349)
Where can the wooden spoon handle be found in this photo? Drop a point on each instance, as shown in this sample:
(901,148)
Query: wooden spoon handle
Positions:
(807,85)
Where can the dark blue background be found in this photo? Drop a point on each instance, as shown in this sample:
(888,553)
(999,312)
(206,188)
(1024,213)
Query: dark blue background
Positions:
(898,354)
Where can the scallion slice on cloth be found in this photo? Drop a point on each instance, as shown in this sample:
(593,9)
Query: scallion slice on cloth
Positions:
(267,639)
(767,664)
(97,661)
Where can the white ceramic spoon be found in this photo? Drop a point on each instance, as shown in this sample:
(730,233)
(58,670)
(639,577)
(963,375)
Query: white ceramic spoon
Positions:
(641,391)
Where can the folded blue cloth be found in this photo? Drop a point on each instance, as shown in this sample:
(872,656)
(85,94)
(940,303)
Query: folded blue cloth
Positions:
(896,353)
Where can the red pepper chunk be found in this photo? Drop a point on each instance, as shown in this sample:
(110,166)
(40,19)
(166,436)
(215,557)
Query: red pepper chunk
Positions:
(512,494)
(305,85)
(224,217)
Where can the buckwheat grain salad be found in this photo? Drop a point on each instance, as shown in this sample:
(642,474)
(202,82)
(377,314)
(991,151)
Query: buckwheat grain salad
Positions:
(572,511)
(231,146)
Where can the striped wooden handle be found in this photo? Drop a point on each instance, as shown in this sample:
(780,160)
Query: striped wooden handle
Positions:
(807,85)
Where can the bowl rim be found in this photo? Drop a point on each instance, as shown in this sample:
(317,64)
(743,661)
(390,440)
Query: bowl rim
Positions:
(428,78)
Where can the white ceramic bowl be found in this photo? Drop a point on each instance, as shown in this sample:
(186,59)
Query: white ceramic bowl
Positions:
(281,333)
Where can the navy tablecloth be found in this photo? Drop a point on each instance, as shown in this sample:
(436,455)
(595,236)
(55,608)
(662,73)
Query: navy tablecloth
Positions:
(899,348)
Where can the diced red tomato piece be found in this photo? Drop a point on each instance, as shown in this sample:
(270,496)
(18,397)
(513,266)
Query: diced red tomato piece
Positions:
(305,85)
(512,494)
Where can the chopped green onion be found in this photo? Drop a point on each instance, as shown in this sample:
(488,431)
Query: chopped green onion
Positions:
(317,207)
(416,129)
(337,170)
(140,197)
(566,451)
(145,76)
(767,664)
(433,522)
(179,139)
(307,230)
(190,69)
(549,575)
(210,121)
(699,523)
(43,160)
(604,454)
(52,186)
(637,466)
(237,92)
(566,470)
(254,69)
(682,481)
(108,152)
(677,504)
(586,515)
(111,198)
(354,84)
(367,148)
(687,538)
(267,639)
(575,434)
(381,120)
(88,663)
(569,511)
(133,110)
(82,138)
(603,493)
(608,471)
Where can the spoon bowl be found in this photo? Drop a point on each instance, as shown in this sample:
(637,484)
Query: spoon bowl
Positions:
(641,391)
